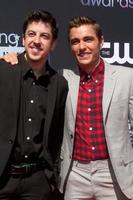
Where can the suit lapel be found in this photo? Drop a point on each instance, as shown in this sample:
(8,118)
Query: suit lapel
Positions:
(109,85)
(52,94)
(74,89)
(51,101)
(16,90)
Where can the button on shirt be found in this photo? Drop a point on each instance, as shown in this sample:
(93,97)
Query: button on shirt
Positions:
(90,143)
(33,108)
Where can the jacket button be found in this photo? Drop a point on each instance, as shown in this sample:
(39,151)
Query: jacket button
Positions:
(10,141)
(71,136)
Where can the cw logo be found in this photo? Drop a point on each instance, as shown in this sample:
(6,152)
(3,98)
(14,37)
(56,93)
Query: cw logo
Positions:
(109,47)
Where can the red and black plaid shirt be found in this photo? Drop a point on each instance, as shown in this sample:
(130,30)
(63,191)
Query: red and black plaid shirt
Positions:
(90,143)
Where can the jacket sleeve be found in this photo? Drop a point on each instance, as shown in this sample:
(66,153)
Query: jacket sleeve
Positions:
(58,126)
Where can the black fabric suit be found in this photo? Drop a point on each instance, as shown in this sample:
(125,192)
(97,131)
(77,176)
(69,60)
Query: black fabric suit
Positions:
(9,112)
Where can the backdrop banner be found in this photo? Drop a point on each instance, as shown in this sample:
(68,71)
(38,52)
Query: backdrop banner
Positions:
(115,17)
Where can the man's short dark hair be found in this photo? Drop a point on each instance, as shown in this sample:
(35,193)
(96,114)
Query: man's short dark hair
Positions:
(44,16)
(84,20)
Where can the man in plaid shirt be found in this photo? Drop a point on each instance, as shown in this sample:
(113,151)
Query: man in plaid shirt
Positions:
(97,154)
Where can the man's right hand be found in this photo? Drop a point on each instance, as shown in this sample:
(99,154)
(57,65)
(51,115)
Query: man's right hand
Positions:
(10,58)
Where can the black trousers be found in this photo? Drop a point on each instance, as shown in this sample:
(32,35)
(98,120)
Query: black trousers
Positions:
(56,195)
(33,187)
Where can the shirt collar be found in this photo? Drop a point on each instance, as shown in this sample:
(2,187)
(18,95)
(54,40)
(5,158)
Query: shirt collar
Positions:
(95,74)
(28,72)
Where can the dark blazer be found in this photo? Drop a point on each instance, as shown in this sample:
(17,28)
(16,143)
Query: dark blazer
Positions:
(10,88)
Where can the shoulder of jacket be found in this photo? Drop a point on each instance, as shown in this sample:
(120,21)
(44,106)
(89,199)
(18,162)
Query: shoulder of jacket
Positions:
(120,68)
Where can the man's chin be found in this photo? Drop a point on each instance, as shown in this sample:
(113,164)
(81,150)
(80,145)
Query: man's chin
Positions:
(34,58)
(84,63)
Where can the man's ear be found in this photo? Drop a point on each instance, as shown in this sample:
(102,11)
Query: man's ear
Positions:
(53,45)
(101,42)
(23,39)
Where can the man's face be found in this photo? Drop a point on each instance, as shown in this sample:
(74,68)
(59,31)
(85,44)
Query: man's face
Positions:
(38,42)
(85,46)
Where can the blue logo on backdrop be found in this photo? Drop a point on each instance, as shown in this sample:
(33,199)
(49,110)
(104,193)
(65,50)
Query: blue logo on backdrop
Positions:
(108,3)
(10,43)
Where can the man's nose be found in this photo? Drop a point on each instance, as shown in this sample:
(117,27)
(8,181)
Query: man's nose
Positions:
(82,45)
(37,39)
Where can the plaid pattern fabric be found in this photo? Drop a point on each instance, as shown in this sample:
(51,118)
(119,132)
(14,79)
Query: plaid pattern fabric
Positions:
(90,143)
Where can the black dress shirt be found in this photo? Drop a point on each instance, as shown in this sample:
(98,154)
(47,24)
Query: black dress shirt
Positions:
(33,107)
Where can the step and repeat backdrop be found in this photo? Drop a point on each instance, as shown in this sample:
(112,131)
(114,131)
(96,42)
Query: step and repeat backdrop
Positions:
(115,17)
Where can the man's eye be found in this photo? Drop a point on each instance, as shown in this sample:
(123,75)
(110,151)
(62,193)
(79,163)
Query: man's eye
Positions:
(74,42)
(45,36)
(30,34)
(88,39)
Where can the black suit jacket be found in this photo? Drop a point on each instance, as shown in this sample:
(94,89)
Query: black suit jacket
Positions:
(10,88)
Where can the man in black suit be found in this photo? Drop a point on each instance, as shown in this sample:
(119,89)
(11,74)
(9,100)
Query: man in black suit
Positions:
(32,100)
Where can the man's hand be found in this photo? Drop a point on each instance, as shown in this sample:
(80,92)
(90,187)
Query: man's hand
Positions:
(10,58)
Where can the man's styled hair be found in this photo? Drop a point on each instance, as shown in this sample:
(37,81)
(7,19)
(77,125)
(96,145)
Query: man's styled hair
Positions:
(84,20)
(44,16)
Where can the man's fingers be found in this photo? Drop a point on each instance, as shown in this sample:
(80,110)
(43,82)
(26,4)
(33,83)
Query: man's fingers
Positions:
(11,58)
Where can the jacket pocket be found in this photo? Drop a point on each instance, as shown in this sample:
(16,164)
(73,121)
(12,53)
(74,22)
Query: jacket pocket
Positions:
(128,159)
